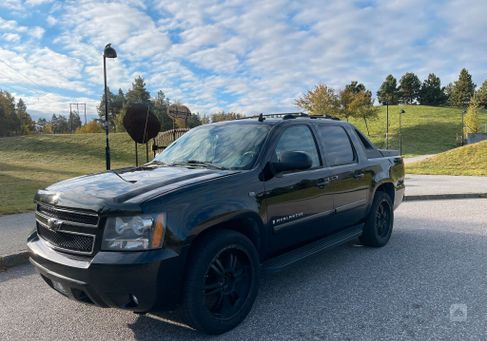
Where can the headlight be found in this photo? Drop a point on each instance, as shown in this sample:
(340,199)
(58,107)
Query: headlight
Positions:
(145,232)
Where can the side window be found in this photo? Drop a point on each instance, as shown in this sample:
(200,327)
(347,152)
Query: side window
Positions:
(366,143)
(298,138)
(336,144)
(369,148)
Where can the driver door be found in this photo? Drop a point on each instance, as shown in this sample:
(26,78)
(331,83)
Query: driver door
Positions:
(297,203)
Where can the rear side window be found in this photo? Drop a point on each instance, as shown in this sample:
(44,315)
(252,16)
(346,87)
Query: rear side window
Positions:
(336,144)
(298,138)
(369,148)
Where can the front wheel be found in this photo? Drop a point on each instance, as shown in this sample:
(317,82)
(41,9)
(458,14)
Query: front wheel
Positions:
(221,282)
(379,222)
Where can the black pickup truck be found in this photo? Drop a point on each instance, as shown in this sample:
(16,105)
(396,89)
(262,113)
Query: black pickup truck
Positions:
(195,227)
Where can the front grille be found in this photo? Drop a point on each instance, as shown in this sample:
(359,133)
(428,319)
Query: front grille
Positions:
(67,230)
(67,241)
(64,214)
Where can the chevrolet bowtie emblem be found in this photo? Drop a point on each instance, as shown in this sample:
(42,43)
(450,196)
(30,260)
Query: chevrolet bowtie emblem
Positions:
(54,224)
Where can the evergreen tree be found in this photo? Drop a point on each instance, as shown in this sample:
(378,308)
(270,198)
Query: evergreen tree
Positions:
(118,102)
(388,92)
(59,124)
(160,106)
(101,107)
(9,121)
(74,121)
(138,93)
(431,92)
(462,90)
(194,121)
(25,121)
(481,95)
(409,86)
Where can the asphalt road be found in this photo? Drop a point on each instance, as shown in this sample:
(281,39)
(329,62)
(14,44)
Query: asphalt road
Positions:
(436,259)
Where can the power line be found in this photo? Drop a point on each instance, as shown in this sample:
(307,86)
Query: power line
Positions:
(27,78)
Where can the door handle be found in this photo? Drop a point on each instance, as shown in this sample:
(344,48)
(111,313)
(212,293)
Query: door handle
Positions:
(321,183)
(358,174)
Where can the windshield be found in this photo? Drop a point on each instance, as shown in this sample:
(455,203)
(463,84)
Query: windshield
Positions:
(227,146)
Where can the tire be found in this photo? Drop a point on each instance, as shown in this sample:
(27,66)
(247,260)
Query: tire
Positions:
(379,222)
(221,282)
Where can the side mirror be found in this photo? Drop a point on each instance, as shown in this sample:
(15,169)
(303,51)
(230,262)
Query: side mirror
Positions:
(292,161)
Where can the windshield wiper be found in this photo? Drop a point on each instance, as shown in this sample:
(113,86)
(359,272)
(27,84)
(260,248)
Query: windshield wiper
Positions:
(197,163)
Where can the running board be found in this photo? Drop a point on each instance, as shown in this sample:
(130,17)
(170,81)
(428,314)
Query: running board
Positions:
(282,261)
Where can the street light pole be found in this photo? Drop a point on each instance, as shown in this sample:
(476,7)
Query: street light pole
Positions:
(387,125)
(400,130)
(109,52)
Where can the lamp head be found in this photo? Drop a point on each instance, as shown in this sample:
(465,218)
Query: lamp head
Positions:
(109,52)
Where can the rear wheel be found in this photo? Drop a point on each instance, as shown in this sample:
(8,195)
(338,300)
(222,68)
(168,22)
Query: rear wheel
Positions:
(221,282)
(379,223)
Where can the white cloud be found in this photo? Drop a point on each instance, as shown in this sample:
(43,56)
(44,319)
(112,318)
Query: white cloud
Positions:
(11,37)
(36,32)
(51,21)
(244,55)
(48,104)
(37,2)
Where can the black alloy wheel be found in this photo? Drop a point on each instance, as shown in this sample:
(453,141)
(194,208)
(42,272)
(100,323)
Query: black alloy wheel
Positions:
(222,281)
(379,222)
(227,282)
(383,219)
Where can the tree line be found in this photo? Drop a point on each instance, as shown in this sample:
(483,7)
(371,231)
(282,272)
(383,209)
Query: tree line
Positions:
(411,90)
(353,101)
(14,119)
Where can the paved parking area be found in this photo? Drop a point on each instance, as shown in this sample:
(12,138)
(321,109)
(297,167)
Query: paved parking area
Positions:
(434,263)
(420,185)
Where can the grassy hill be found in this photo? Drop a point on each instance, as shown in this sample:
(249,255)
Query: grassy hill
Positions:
(28,163)
(467,160)
(425,129)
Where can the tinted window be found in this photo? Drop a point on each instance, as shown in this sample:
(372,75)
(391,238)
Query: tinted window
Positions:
(336,145)
(369,148)
(365,142)
(298,138)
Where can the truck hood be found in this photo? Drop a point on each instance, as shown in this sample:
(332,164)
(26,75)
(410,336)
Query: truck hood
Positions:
(117,188)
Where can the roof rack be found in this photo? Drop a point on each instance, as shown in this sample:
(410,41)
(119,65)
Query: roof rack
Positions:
(289,115)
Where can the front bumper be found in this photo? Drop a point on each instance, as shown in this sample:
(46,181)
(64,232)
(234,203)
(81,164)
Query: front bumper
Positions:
(137,281)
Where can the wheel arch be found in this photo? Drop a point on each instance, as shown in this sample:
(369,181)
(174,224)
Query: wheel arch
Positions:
(248,224)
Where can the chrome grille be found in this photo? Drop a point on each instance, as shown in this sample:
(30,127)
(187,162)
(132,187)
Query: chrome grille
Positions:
(67,230)
(68,215)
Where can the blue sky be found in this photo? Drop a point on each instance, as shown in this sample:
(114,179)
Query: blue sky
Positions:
(241,55)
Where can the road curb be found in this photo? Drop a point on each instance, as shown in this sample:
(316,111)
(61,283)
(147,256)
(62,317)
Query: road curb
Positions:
(445,196)
(14,259)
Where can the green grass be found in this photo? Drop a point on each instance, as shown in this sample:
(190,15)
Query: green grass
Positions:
(467,160)
(28,163)
(425,129)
